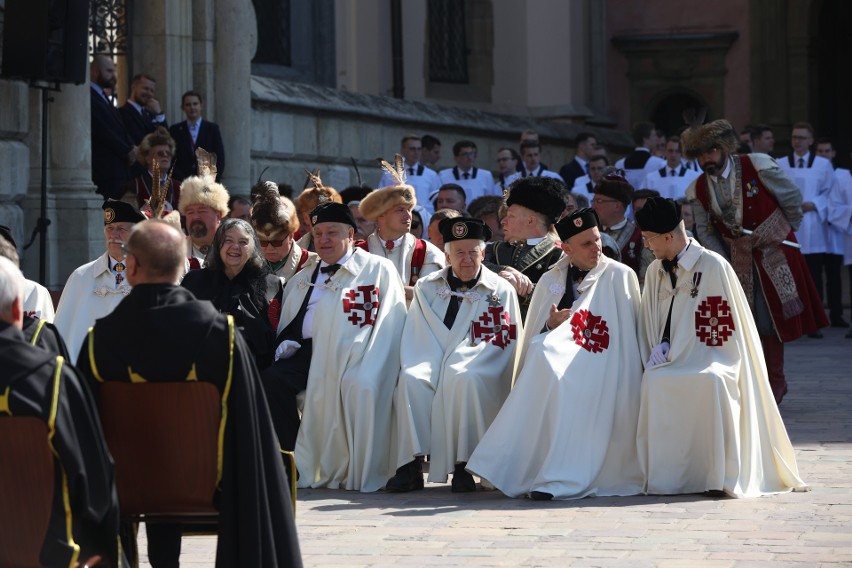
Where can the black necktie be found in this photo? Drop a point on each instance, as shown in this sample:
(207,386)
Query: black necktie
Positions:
(670,266)
(673,173)
(567,299)
(453,307)
(331,269)
(801,162)
(411,171)
(466,175)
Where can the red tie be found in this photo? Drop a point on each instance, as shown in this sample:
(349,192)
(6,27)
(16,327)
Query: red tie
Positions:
(389,245)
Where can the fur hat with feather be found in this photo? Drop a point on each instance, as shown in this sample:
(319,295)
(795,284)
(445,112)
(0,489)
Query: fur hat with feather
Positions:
(699,137)
(203,189)
(385,198)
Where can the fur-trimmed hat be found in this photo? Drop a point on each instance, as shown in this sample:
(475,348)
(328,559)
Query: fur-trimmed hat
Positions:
(660,215)
(203,190)
(540,194)
(272,212)
(699,138)
(318,193)
(385,198)
(615,186)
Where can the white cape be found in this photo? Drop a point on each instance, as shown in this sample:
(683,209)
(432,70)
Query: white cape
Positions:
(454,381)
(344,440)
(90,293)
(708,420)
(569,426)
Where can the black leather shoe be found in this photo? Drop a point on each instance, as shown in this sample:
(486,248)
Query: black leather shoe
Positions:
(463,482)
(816,335)
(540,496)
(408,478)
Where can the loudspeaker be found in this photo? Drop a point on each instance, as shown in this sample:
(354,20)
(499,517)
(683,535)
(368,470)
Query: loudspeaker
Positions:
(46,40)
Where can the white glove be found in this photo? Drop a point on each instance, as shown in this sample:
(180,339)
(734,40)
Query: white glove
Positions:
(286,349)
(659,355)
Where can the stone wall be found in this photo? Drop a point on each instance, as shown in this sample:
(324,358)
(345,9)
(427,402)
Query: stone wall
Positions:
(299,126)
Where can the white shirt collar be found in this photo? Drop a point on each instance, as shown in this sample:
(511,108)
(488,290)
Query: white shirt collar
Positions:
(342,260)
(135,105)
(535,241)
(618,225)
(806,156)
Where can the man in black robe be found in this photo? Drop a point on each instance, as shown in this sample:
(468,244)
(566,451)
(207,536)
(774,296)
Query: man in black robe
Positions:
(163,333)
(34,382)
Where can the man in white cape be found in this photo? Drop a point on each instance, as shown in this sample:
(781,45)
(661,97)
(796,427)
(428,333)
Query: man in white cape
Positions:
(568,430)
(458,354)
(708,420)
(96,288)
(352,303)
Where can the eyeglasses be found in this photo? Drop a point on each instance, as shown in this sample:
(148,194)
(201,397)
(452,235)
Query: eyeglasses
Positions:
(601,200)
(275,243)
(164,154)
(649,239)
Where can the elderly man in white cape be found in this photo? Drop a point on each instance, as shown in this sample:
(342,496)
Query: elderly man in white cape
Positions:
(708,421)
(459,353)
(568,430)
(352,303)
(96,288)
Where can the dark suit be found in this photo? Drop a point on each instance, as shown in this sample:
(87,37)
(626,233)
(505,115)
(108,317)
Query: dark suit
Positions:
(571,171)
(209,138)
(138,124)
(110,146)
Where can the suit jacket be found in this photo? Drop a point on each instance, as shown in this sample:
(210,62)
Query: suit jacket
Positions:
(110,145)
(137,124)
(209,138)
(571,171)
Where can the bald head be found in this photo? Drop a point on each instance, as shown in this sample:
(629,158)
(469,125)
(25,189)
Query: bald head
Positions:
(156,253)
(102,71)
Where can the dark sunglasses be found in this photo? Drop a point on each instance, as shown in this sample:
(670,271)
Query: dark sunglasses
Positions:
(276,243)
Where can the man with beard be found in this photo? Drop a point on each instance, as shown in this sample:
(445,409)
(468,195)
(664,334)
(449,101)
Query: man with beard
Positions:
(458,355)
(746,210)
(113,152)
(707,421)
(569,424)
(204,203)
(94,289)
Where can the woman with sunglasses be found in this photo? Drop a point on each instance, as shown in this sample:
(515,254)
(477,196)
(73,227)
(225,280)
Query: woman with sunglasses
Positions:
(275,221)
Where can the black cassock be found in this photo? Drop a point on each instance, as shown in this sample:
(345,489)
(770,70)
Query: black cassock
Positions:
(83,470)
(161,332)
(43,334)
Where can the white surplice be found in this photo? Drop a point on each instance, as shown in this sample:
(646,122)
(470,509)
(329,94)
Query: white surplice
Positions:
(569,426)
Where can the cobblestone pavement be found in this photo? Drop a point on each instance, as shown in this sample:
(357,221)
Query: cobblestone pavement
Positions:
(434,527)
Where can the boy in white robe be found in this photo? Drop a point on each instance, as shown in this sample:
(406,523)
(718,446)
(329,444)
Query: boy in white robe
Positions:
(708,420)
(568,430)
(458,354)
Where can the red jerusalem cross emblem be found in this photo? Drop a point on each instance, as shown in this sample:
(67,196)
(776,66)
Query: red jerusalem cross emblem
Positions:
(493,326)
(590,331)
(362,305)
(713,321)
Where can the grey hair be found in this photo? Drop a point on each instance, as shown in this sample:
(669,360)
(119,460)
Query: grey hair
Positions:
(256,261)
(12,285)
(447,246)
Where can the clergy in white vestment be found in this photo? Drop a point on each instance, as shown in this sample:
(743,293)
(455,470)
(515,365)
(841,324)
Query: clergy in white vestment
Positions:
(352,303)
(37,301)
(96,288)
(390,209)
(458,355)
(568,430)
(708,420)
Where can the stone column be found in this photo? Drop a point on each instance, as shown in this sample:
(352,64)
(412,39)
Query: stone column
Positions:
(75,234)
(235,21)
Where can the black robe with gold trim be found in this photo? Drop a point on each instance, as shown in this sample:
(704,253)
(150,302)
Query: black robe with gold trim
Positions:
(44,334)
(163,333)
(84,518)
(532,261)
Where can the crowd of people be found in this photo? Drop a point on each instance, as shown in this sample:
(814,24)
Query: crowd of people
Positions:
(557,335)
